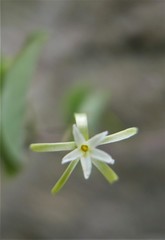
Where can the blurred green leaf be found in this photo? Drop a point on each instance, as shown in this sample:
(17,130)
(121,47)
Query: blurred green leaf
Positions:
(4,67)
(63,179)
(107,172)
(112,121)
(16,83)
(94,106)
(72,101)
(83,99)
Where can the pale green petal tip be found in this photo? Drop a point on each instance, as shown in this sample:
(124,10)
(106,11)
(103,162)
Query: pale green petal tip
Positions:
(134,130)
(37,147)
(54,190)
(115,179)
(33,147)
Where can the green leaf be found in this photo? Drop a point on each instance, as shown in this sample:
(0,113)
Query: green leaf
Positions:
(73,99)
(16,84)
(52,147)
(5,64)
(94,105)
(64,177)
(107,172)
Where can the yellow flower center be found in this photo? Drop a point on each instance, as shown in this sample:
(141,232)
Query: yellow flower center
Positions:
(84,148)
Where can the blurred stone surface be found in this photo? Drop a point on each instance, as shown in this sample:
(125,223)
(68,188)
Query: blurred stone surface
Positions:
(118,45)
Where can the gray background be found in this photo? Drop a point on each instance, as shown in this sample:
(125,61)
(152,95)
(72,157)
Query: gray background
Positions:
(118,45)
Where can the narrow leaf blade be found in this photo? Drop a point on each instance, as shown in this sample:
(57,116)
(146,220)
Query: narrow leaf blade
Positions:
(16,83)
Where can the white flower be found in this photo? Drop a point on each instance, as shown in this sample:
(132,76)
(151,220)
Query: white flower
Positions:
(86,151)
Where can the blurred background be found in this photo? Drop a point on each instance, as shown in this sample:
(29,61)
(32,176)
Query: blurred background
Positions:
(107,55)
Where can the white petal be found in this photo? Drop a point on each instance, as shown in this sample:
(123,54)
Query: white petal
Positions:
(102,156)
(78,137)
(72,156)
(97,139)
(82,124)
(86,166)
(127,133)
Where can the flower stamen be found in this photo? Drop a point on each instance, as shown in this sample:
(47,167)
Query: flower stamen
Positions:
(84,148)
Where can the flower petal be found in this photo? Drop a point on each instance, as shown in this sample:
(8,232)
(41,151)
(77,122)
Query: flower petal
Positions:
(63,179)
(82,124)
(71,156)
(97,139)
(107,172)
(102,156)
(127,133)
(52,147)
(78,137)
(86,166)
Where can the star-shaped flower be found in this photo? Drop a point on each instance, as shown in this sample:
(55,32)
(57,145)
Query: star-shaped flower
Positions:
(85,151)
